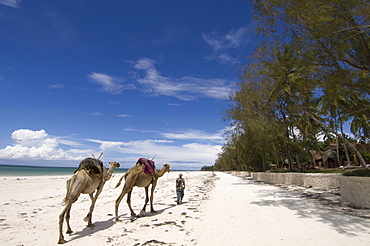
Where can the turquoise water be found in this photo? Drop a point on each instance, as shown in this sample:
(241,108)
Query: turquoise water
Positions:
(6,170)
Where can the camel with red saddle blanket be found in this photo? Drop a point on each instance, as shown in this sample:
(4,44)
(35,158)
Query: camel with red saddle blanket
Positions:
(140,177)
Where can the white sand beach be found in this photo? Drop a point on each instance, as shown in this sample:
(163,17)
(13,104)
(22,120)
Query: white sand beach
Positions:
(218,209)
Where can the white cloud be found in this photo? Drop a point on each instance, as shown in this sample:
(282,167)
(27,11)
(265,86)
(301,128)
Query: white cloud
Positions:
(184,88)
(189,149)
(56,86)
(124,115)
(96,114)
(193,135)
(221,44)
(11,3)
(191,155)
(233,39)
(110,84)
(130,129)
(145,64)
(29,144)
(168,150)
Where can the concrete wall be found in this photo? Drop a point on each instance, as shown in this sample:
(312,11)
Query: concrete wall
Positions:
(316,180)
(355,190)
(279,178)
(321,180)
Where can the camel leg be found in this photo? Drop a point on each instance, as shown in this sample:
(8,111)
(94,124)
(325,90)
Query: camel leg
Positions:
(89,215)
(154,184)
(68,216)
(129,203)
(74,189)
(119,199)
(66,209)
(142,212)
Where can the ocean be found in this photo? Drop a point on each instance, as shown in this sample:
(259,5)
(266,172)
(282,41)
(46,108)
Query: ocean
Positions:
(7,170)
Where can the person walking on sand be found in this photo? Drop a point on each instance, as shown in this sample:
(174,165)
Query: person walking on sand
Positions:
(180,187)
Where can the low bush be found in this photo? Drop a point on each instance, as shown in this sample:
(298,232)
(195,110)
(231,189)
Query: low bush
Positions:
(363,172)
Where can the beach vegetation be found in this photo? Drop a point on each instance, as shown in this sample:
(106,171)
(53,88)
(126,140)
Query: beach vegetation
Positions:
(364,172)
(308,79)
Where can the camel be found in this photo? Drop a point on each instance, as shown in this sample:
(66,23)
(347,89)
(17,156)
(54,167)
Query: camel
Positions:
(135,177)
(89,177)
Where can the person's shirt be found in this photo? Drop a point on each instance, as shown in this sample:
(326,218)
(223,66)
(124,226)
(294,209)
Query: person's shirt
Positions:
(180,184)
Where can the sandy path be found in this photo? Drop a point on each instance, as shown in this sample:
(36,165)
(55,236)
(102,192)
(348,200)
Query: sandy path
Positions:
(218,209)
(241,212)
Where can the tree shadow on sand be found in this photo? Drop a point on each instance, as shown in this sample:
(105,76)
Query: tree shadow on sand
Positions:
(306,208)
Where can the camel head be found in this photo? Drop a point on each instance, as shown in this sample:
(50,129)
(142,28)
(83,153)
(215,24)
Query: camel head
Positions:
(166,167)
(113,165)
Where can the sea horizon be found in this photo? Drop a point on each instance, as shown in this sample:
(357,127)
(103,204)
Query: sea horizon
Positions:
(30,170)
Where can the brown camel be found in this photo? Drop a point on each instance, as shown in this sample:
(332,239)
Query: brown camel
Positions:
(90,176)
(139,179)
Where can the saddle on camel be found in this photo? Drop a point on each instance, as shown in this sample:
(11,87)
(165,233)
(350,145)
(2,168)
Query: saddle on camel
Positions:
(149,166)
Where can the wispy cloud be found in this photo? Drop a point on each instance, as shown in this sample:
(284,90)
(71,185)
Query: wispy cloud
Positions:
(124,115)
(109,83)
(96,114)
(165,151)
(130,129)
(11,3)
(223,44)
(170,34)
(185,88)
(153,83)
(193,135)
(56,86)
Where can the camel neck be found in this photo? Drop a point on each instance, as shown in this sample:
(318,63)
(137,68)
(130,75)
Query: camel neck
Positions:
(160,173)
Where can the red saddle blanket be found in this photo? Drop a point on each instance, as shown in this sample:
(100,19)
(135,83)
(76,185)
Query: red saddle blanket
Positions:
(149,167)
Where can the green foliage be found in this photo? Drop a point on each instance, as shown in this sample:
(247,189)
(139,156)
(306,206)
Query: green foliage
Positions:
(207,168)
(365,155)
(309,75)
(363,172)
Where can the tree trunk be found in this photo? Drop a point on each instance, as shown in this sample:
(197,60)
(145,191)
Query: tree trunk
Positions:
(263,164)
(298,162)
(345,141)
(290,159)
(337,148)
(345,147)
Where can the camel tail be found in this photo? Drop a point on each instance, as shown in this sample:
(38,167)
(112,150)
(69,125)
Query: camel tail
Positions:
(120,180)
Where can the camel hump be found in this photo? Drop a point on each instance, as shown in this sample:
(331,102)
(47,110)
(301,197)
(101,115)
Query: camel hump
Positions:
(149,166)
(93,166)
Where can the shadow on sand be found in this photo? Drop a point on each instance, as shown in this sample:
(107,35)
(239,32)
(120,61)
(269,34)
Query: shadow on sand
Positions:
(98,226)
(308,208)
(103,225)
(148,214)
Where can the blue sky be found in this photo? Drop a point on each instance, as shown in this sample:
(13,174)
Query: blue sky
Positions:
(128,78)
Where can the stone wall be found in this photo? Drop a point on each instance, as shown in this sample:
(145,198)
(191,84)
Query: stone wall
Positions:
(321,180)
(279,178)
(355,190)
(316,180)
